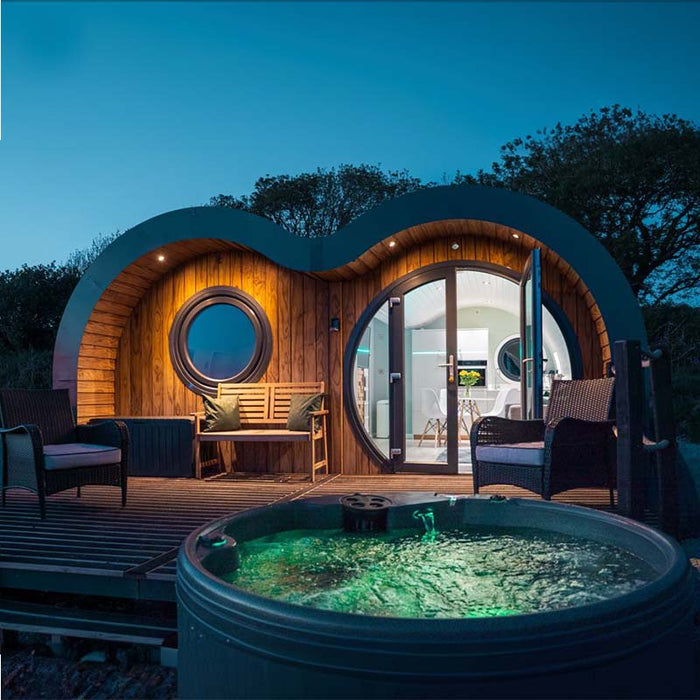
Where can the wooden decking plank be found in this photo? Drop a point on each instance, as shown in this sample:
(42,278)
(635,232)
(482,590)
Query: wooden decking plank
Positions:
(94,538)
(154,563)
(131,551)
(51,619)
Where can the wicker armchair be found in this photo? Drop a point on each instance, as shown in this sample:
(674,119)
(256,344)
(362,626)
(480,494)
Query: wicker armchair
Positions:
(41,448)
(574,448)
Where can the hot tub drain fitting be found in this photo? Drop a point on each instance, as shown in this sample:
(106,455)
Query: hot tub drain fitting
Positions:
(363,512)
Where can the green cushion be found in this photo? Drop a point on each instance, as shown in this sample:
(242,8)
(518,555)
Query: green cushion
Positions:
(221,414)
(300,406)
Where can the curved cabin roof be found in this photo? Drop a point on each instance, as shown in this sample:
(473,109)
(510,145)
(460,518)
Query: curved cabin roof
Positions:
(113,285)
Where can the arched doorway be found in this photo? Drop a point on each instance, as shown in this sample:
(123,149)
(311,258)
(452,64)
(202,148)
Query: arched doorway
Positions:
(397,371)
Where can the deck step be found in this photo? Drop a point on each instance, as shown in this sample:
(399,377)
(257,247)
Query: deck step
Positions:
(87,624)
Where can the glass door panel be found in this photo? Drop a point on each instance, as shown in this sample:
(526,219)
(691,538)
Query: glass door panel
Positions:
(426,373)
(531,338)
(474,383)
(371,380)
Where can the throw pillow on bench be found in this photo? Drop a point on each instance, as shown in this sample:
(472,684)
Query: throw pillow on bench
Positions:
(221,414)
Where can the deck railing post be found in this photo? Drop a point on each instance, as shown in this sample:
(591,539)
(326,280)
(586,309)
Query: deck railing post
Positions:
(629,392)
(665,429)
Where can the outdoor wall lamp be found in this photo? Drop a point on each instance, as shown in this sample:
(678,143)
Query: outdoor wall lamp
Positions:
(335,324)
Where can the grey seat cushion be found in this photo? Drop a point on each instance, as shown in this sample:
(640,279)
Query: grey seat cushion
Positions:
(78,454)
(528,454)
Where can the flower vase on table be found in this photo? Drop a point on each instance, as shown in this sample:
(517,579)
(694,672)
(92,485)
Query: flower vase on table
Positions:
(467,379)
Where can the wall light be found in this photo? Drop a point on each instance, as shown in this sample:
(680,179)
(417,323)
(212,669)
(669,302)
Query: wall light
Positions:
(392,244)
(455,246)
(335,324)
(516,235)
(161,258)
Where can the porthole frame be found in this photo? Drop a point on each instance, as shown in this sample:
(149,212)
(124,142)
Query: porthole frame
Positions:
(193,378)
(500,349)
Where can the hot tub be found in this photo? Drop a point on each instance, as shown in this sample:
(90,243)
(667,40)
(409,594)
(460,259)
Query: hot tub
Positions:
(237,644)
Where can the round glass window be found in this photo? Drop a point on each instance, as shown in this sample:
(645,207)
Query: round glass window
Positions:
(221,334)
(221,341)
(509,359)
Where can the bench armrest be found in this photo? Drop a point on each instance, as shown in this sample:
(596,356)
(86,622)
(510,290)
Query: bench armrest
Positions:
(198,418)
(21,456)
(574,431)
(493,430)
(30,429)
(111,433)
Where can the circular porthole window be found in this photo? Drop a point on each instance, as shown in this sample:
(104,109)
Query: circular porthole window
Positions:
(508,359)
(221,334)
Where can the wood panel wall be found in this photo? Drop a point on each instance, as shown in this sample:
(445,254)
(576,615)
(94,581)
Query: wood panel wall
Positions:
(296,305)
(349,298)
(124,365)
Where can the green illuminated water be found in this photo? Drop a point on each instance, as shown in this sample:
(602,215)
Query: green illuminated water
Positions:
(476,572)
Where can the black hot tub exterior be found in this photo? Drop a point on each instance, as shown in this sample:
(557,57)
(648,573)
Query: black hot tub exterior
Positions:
(233,644)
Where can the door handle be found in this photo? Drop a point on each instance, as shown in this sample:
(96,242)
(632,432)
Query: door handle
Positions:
(451,365)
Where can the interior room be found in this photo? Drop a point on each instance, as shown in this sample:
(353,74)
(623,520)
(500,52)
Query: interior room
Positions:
(488,341)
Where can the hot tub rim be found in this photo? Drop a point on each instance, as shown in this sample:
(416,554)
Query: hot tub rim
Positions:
(256,605)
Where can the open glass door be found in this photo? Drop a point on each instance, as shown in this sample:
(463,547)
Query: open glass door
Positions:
(531,337)
(423,376)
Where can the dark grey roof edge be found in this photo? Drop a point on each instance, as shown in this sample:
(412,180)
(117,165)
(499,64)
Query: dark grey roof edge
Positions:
(548,225)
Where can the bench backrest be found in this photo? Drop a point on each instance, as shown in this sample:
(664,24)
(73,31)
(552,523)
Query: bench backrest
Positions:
(268,403)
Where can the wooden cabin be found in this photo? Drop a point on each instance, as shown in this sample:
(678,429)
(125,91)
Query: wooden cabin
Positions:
(430,277)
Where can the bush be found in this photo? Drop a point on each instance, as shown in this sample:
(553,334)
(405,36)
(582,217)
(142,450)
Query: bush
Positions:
(676,327)
(32,301)
(26,369)
(686,402)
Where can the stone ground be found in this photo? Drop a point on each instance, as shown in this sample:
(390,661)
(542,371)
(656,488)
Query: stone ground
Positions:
(84,670)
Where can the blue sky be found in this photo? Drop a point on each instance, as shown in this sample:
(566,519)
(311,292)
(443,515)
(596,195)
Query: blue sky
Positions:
(115,112)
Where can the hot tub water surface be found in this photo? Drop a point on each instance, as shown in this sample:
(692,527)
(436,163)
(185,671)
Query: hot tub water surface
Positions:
(474,572)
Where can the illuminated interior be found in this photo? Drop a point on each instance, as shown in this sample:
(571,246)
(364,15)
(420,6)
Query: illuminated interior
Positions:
(488,311)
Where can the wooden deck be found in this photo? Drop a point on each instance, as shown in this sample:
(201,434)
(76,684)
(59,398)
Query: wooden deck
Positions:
(91,546)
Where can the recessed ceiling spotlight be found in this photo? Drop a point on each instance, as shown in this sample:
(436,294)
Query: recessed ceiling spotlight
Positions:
(392,244)
(516,235)
(455,246)
(485,281)
(161,258)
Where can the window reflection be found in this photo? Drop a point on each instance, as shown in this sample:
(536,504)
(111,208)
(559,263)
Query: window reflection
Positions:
(221,341)
(371,379)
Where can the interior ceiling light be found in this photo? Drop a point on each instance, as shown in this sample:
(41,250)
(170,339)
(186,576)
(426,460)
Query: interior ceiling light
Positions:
(392,244)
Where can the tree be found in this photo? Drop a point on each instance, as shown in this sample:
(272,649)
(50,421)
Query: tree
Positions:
(676,327)
(32,300)
(81,259)
(320,203)
(631,179)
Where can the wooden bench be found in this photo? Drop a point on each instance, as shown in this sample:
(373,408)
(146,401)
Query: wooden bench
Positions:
(265,408)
